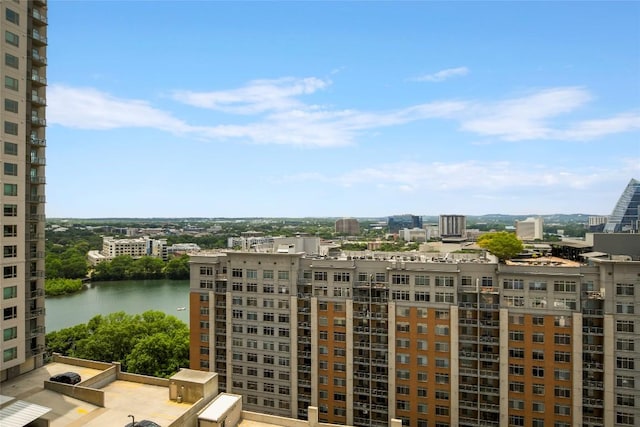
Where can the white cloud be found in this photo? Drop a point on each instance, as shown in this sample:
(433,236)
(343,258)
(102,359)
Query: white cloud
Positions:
(271,112)
(88,108)
(256,97)
(526,117)
(443,75)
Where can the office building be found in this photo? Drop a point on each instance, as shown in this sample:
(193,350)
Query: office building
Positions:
(413,234)
(530,229)
(396,223)
(24,76)
(431,341)
(348,226)
(625,217)
(453,228)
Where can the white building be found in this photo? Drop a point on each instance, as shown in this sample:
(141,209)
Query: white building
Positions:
(135,248)
(413,235)
(530,229)
(453,227)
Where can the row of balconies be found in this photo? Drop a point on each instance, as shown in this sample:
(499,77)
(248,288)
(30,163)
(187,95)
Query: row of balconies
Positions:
(39,16)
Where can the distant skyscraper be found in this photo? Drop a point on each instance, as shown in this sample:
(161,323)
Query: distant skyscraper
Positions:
(626,214)
(398,222)
(453,227)
(24,58)
(349,226)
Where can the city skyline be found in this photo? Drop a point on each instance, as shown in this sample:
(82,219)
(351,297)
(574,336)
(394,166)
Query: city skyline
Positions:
(216,109)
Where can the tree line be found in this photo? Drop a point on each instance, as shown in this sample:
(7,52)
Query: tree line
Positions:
(151,343)
(124,267)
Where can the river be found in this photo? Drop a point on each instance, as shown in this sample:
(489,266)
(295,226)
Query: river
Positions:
(130,296)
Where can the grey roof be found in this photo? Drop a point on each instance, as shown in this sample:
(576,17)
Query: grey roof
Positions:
(21,413)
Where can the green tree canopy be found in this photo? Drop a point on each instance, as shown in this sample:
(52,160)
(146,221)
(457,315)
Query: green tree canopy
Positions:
(502,244)
(151,343)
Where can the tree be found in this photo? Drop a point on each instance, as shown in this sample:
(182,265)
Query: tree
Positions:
(178,268)
(502,244)
(151,343)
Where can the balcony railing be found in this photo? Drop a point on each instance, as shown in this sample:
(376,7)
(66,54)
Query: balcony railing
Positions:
(34,160)
(38,79)
(35,313)
(37,179)
(40,142)
(36,99)
(36,36)
(38,121)
(37,199)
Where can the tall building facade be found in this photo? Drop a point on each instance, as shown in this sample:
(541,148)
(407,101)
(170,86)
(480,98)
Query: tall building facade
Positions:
(432,342)
(348,226)
(453,227)
(625,217)
(24,59)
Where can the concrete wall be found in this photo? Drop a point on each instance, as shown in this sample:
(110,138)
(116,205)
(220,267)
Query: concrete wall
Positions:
(87,394)
(81,362)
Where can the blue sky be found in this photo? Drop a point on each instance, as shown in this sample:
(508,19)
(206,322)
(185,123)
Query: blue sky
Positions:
(236,109)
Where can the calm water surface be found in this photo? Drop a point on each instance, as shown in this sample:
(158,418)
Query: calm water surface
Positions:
(130,296)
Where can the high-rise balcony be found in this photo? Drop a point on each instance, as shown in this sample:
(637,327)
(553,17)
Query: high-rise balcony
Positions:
(38,100)
(38,38)
(36,199)
(35,179)
(36,312)
(38,80)
(38,121)
(37,59)
(39,16)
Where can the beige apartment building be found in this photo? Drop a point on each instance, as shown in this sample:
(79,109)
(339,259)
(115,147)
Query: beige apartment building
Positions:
(24,77)
(430,341)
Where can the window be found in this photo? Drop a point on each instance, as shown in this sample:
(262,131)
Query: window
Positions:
(10,292)
(624,326)
(562,409)
(10,148)
(513,301)
(444,281)
(441,363)
(237,314)
(442,378)
(625,362)
(423,376)
(341,276)
(537,354)
(399,279)
(268,303)
(10,271)
(402,389)
(516,352)
(516,420)
(320,276)
(12,333)
(562,339)
(442,410)
(283,275)
(537,337)
(516,387)
(442,314)
(403,374)
(10,210)
(10,83)
(625,418)
(625,400)
(11,38)
(339,367)
(283,332)
(12,16)
(562,392)
(10,313)
(625,381)
(10,251)
(537,286)
(516,404)
(10,105)
(564,286)
(625,308)
(10,230)
(421,280)
(11,61)
(538,389)
(340,382)
(442,330)
(625,289)
(268,373)
(10,354)
(562,374)
(442,346)
(516,369)
(10,128)
(516,335)
(402,358)
(513,284)
(10,189)
(562,356)
(444,297)
(403,405)
(537,320)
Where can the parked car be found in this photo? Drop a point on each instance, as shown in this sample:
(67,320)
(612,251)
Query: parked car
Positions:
(66,378)
(143,423)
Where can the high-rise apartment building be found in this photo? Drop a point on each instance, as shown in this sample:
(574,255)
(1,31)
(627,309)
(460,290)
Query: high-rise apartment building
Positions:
(453,227)
(431,341)
(24,59)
